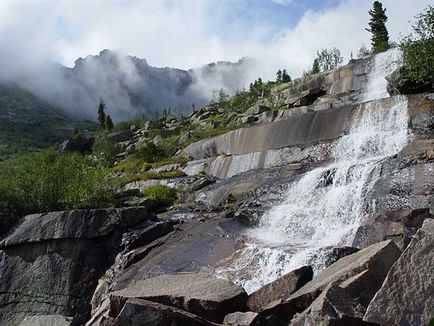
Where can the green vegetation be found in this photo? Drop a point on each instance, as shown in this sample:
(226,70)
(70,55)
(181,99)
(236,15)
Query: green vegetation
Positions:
(29,124)
(105,149)
(105,121)
(126,125)
(418,49)
(283,77)
(328,59)
(377,27)
(146,175)
(363,51)
(163,194)
(315,67)
(108,123)
(47,181)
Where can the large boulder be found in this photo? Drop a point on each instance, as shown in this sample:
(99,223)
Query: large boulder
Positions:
(362,272)
(375,259)
(79,145)
(279,289)
(406,296)
(198,293)
(332,307)
(137,312)
(50,264)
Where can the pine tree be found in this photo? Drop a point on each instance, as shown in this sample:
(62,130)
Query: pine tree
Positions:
(75,133)
(315,67)
(101,114)
(108,123)
(377,27)
(286,78)
(279,76)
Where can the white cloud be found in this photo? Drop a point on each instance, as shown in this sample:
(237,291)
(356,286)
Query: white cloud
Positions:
(181,33)
(283,2)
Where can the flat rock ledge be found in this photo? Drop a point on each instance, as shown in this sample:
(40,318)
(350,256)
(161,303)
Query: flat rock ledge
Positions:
(197,293)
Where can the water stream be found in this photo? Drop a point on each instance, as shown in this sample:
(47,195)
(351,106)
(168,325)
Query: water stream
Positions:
(325,206)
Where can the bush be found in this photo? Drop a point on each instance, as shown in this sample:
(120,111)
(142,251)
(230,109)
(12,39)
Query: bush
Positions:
(105,149)
(48,181)
(418,48)
(126,125)
(163,194)
(151,153)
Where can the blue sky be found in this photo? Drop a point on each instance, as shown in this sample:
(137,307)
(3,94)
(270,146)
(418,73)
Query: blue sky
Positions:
(190,33)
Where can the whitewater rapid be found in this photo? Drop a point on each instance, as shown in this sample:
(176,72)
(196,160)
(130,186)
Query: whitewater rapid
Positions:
(324,208)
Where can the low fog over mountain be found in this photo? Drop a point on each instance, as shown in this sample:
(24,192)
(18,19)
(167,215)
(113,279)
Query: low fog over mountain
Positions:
(129,86)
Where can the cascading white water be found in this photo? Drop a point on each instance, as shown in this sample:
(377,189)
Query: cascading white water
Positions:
(383,64)
(326,205)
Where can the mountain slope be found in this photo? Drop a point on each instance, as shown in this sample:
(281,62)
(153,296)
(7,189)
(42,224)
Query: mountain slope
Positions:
(130,87)
(28,123)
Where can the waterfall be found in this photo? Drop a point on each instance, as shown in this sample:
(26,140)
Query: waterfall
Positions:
(325,206)
(383,64)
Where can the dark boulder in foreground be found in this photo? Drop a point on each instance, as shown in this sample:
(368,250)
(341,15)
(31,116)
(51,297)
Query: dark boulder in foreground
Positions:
(407,295)
(198,293)
(279,289)
(137,312)
(359,275)
(50,264)
(332,307)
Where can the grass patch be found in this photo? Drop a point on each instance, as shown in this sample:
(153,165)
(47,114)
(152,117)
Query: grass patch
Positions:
(163,194)
(48,181)
(127,178)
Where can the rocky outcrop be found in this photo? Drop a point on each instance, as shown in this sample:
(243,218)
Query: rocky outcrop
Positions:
(399,226)
(280,289)
(376,260)
(358,277)
(406,296)
(194,246)
(198,293)
(332,307)
(312,127)
(79,145)
(59,257)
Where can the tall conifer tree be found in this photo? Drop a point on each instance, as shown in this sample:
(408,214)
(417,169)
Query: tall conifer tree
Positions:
(377,27)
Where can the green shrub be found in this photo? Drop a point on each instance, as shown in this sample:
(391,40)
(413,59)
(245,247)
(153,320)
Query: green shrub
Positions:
(126,125)
(151,153)
(418,48)
(48,181)
(161,193)
(105,149)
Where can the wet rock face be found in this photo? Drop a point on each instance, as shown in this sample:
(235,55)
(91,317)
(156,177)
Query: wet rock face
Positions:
(194,246)
(50,264)
(399,226)
(406,296)
(312,127)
